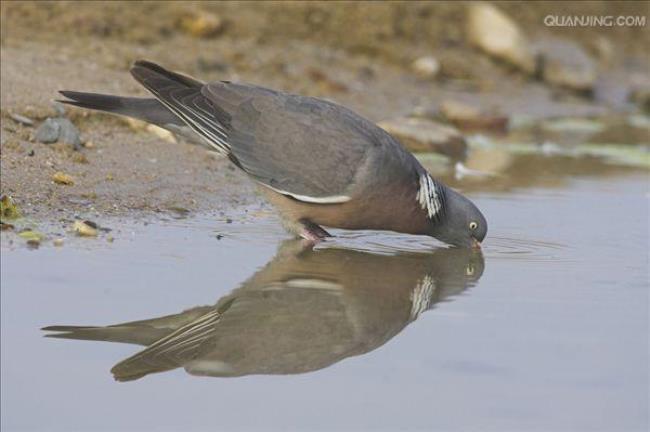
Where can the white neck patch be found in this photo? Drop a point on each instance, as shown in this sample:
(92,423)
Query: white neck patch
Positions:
(428,196)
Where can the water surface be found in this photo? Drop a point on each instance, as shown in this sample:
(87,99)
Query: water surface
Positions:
(546,329)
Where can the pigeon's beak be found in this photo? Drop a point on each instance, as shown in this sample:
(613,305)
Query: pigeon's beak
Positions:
(476,244)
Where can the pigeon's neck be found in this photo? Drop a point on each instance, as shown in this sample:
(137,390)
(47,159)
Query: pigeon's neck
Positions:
(430,196)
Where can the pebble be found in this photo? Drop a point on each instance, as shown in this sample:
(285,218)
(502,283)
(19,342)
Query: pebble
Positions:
(26,121)
(33,243)
(85,228)
(467,117)
(48,132)
(498,35)
(161,133)
(62,178)
(426,67)
(565,64)
(30,235)
(58,129)
(4,226)
(202,24)
(8,208)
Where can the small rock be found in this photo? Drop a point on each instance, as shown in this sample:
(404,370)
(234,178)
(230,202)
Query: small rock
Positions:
(422,135)
(161,133)
(48,132)
(62,178)
(498,35)
(26,121)
(31,153)
(89,144)
(58,129)
(139,125)
(202,24)
(33,243)
(31,235)
(564,63)
(57,242)
(426,67)
(8,209)
(85,228)
(468,117)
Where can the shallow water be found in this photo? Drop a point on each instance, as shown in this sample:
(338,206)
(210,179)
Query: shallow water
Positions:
(546,329)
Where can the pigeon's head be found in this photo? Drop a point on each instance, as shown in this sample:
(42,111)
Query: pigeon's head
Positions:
(460,223)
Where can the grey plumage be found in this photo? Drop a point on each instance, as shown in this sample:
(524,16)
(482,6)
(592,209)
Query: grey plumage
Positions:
(308,150)
(272,135)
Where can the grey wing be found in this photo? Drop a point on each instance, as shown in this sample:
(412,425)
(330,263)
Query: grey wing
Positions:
(299,146)
(304,147)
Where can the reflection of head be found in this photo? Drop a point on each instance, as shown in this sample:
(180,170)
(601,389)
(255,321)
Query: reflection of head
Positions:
(304,311)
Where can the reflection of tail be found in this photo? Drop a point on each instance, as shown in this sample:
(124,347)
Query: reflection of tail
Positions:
(173,350)
(124,334)
(144,332)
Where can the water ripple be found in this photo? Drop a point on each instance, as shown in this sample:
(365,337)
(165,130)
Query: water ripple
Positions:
(523,249)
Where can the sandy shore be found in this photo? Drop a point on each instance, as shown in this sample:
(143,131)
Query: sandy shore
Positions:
(122,171)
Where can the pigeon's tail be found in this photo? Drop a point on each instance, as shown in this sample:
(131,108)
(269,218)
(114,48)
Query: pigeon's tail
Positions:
(147,109)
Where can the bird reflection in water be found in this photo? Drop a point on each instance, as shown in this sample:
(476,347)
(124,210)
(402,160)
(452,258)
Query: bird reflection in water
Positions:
(305,310)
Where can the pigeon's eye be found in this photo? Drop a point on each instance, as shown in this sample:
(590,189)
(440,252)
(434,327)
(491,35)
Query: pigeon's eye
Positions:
(473,225)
